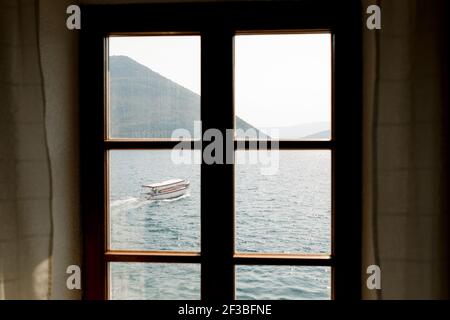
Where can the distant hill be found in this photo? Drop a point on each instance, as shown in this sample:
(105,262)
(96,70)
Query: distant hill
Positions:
(322,135)
(145,104)
(301,131)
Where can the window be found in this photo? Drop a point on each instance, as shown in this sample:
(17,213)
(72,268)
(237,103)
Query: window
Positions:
(209,245)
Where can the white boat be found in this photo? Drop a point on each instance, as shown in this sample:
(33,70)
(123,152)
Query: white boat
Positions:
(168,189)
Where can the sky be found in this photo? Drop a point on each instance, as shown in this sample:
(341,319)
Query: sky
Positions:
(280,80)
(174,57)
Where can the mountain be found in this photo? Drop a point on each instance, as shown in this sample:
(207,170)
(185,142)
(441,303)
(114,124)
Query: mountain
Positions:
(301,131)
(145,104)
(322,135)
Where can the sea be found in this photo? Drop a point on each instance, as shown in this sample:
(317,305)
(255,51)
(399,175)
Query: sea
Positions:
(283,205)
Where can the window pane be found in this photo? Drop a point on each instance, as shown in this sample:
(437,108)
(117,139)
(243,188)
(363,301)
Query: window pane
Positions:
(154,281)
(162,217)
(154,86)
(283,283)
(283,85)
(283,201)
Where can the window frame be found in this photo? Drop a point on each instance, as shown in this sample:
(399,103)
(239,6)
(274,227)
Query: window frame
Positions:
(217,23)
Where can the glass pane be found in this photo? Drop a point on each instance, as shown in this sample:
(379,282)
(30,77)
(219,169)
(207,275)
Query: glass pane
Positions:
(283,201)
(154,86)
(283,85)
(154,281)
(164,215)
(283,283)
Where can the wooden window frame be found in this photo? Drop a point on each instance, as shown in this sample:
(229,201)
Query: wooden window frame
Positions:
(217,23)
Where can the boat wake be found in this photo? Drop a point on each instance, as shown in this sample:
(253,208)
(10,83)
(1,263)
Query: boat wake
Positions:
(129,203)
(135,203)
(122,202)
(174,199)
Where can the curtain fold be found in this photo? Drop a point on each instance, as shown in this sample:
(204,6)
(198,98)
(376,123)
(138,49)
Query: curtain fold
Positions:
(25,173)
(405,223)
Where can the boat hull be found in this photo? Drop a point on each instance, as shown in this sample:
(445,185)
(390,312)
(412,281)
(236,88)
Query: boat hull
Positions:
(169,195)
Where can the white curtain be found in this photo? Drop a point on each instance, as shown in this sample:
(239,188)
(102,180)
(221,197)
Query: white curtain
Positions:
(25,172)
(40,234)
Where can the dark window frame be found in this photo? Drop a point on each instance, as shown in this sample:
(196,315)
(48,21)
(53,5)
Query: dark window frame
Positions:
(217,23)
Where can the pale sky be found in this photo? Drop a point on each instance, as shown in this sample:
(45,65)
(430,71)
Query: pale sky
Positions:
(283,80)
(175,57)
(280,80)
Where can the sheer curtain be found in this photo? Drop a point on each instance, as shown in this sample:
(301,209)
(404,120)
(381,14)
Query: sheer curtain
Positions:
(405,103)
(26,225)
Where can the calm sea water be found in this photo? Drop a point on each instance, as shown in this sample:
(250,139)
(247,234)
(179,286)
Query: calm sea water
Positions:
(287,212)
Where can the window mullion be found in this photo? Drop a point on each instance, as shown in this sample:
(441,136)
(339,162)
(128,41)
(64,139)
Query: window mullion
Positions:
(217,190)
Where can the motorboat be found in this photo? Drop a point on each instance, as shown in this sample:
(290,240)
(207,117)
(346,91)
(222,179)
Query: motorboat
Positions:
(168,189)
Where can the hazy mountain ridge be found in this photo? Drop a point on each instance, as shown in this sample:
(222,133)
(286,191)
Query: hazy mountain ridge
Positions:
(144,103)
(312,130)
(322,135)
